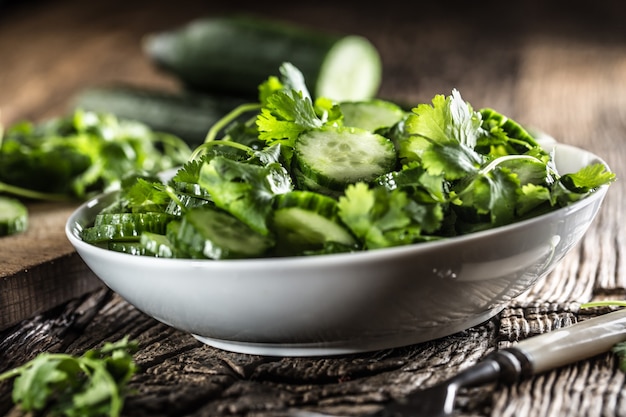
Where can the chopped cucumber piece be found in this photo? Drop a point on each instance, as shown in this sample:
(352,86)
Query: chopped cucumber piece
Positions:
(335,157)
(124,226)
(193,189)
(132,248)
(371,114)
(187,201)
(305,221)
(13,216)
(157,245)
(206,232)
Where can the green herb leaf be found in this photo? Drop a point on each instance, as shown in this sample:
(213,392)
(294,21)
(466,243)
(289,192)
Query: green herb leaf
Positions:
(383,218)
(245,189)
(81,154)
(93,384)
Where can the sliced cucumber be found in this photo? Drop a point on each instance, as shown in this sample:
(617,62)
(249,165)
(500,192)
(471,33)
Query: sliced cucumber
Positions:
(307,184)
(111,232)
(193,189)
(306,221)
(187,201)
(371,114)
(147,220)
(334,157)
(13,216)
(210,233)
(234,54)
(132,248)
(171,233)
(124,226)
(157,244)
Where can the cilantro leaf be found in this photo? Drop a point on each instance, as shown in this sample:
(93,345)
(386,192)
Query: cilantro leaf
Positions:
(449,119)
(289,111)
(588,178)
(414,179)
(244,189)
(453,161)
(442,136)
(532,197)
(285,116)
(293,80)
(81,154)
(380,217)
(147,196)
(93,384)
(493,193)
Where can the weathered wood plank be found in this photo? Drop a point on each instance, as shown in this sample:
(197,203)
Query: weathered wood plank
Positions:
(39,269)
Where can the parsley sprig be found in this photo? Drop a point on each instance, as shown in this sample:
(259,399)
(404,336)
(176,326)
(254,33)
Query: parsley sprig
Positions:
(60,384)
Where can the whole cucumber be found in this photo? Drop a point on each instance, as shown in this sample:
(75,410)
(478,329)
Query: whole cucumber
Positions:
(234,54)
(186,115)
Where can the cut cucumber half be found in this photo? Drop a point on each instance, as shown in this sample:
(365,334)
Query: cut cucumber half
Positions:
(334,157)
(371,114)
(13,216)
(206,232)
(352,70)
(234,54)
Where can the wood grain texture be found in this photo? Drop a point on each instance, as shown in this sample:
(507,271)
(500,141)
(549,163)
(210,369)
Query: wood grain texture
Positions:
(557,66)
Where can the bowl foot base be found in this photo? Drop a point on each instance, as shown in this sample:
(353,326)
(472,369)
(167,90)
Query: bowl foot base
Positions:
(347,347)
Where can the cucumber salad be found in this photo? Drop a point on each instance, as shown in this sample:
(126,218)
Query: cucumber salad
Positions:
(292,175)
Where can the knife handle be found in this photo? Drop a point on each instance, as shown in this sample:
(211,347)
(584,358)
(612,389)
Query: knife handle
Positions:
(564,346)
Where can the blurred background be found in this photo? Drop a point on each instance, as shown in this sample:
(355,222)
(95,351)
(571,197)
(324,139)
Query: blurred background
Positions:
(51,49)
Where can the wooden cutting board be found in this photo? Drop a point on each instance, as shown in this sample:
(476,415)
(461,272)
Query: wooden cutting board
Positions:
(39,268)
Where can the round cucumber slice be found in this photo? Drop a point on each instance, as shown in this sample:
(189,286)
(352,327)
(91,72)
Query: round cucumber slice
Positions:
(305,221)
(371,114)
(335,157)
(209,233)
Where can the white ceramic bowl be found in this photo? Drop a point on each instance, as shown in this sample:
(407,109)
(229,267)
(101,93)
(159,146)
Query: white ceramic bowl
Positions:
(345,303)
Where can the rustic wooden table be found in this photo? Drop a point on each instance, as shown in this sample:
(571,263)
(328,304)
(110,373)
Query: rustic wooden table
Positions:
(557,67)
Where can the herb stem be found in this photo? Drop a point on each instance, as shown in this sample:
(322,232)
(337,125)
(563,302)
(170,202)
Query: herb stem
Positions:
(232,115)
(493,164)
(207,145)
(36,195)
(607,303)
(174,196)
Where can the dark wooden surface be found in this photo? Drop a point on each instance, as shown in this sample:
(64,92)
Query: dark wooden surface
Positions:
(557,66)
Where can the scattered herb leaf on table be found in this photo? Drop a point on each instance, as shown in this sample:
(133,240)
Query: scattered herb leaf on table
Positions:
(77,156)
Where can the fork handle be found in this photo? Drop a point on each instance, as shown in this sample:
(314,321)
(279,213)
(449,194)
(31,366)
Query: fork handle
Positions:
(567,345)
